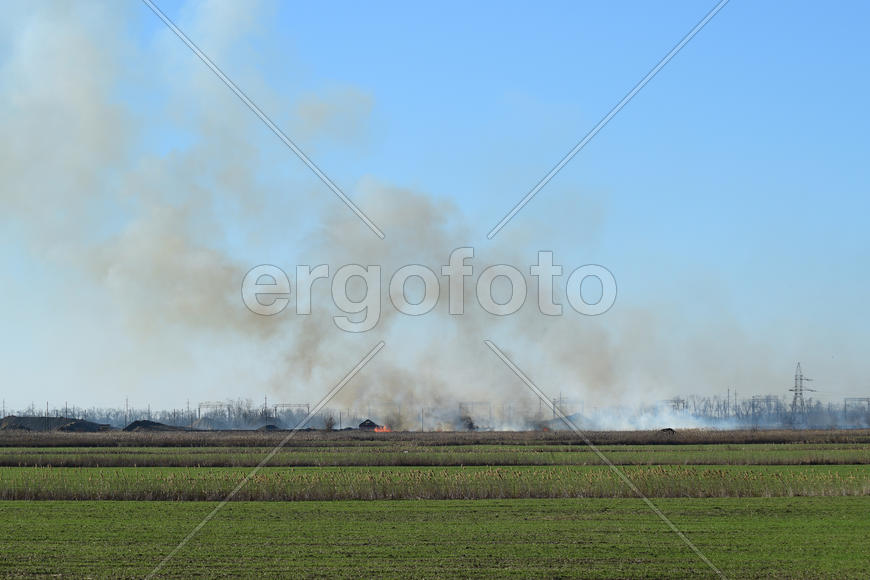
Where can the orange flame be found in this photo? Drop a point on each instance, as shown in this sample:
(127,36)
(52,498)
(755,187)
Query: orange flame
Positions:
(383,429)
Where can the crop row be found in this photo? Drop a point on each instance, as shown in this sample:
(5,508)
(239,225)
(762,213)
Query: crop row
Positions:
(429,483)
(362,438)
(399,455)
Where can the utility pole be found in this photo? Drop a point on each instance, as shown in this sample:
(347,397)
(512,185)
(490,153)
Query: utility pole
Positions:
(798,405)
(422,426)
(126,411)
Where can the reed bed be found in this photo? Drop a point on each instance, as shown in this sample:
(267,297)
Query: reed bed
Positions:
(373,483)
(361,438)
(440,456)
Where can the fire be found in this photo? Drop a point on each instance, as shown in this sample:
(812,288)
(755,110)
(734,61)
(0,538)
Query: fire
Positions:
(383,429)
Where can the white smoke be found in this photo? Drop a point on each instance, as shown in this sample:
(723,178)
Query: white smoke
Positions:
(137,191)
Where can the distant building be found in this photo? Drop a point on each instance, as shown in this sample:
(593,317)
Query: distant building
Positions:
(368,425)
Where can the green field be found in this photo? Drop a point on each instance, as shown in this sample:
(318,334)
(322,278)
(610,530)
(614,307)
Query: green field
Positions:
(747,538)
(758,505)
(407,453)
(375,483)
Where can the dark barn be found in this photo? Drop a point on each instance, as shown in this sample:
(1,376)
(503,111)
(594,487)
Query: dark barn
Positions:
(368,425)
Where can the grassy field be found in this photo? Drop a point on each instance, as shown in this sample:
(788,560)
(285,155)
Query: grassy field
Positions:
(374,483)
(759,504)
(427,439)
(749,538)
(404,454)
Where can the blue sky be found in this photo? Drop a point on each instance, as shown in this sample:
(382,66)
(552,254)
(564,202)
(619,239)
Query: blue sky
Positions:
(732,192)
(741,163)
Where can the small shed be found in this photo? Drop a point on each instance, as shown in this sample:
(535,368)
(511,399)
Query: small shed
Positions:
(368,425)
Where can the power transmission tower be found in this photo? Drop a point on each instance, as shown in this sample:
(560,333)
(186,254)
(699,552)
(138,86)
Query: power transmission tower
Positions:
(798,405)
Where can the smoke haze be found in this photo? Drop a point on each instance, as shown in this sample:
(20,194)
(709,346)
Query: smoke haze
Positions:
(137,191)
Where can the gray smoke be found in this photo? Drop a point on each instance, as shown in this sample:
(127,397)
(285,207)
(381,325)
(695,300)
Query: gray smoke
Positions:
(149,244)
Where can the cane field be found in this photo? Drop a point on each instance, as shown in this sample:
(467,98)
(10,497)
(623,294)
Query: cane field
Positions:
(755,504)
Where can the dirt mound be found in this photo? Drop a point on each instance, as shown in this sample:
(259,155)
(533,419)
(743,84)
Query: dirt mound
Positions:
(269,428)
(64,424)
(146,425)
(81,426)
(12,422)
